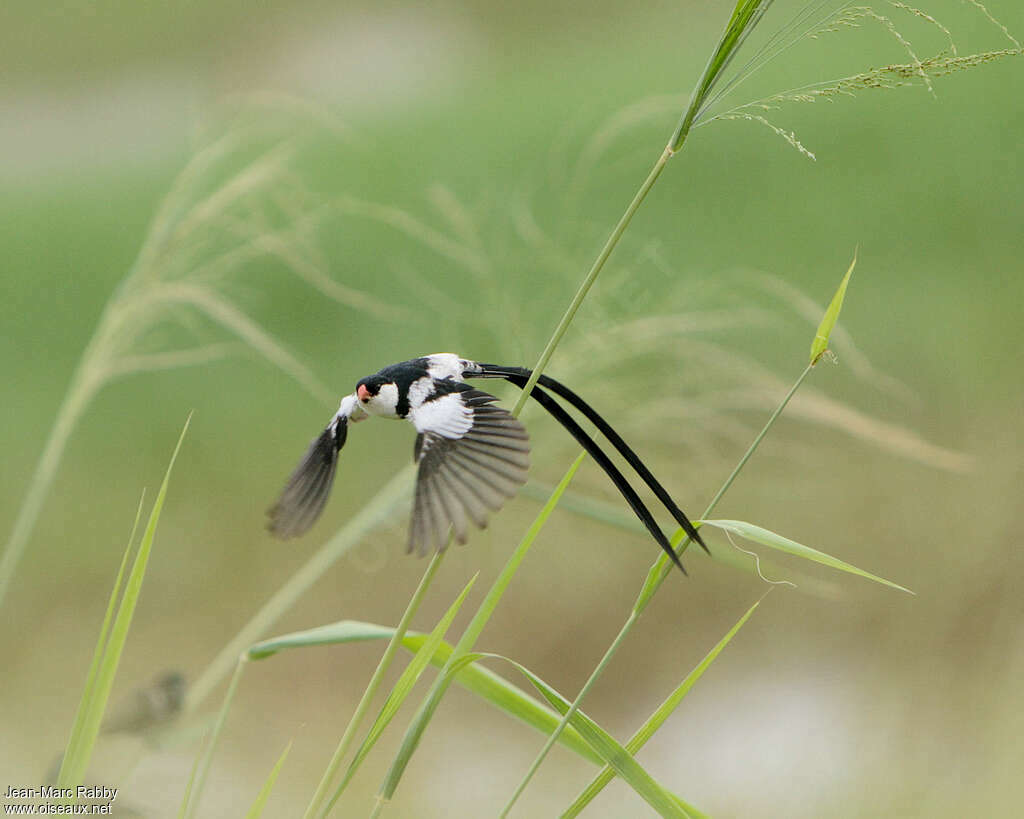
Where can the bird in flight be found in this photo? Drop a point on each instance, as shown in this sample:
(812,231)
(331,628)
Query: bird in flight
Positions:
(471,455)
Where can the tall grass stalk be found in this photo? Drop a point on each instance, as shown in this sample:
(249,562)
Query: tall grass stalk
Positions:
(655,577)
(657,719)
(467,641)
(745,16)
(403,688)
(680,541)
(197,782)
(198,239)
(371,688)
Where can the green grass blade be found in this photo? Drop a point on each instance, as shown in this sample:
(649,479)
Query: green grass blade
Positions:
(612,515)
(657,719)
(81,745)
(90,678)
(604,744)
(745,17)
(313,809)
(469,637)
(204,759)
(828,321)
(421,659)
(660,571)
(190,785)
(261,800)
(482,682)
(784,544)
(345,631)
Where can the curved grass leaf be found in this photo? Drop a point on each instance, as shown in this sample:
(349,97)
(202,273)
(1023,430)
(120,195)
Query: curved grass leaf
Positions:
(344,631)
(484,683)
(828,321)
(604,744)
(610,514)
(424,654)
(784,544)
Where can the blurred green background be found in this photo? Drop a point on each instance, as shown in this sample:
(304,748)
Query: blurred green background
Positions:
(518,133)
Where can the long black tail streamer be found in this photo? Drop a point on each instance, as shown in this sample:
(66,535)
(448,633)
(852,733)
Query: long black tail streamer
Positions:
(520,375)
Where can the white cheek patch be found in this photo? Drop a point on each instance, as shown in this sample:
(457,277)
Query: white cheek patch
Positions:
(384,402)
(446,416)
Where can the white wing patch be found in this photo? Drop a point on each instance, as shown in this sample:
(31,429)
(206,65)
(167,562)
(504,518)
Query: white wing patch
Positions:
(419,391)
(447,415)
(466,475)
(445,365)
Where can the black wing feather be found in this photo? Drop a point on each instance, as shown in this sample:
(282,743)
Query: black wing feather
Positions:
(305,494)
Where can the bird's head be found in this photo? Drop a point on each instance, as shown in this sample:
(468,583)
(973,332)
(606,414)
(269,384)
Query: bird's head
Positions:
(377,396)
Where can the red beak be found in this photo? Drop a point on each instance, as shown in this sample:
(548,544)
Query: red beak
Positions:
(362,393)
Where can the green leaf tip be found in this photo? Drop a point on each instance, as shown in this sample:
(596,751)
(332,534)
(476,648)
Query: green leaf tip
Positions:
(772,540)
(828,321)
(256,811)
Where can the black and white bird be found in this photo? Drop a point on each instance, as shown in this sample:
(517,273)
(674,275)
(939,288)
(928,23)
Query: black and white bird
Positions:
(471,455)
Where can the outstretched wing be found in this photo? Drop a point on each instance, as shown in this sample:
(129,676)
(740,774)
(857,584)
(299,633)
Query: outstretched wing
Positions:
(305,494)
(472,457)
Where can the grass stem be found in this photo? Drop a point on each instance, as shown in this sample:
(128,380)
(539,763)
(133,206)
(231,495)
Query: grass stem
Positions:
(662,568)
(659,571)
(77,398)
(203,768)
(371,689)
(553,736)
(590,278)
(468,640)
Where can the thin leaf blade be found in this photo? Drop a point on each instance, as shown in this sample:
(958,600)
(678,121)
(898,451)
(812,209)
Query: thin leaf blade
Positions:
(478,680)
(657,719)
(605,745)
(89,689)
(261,800)
(772,540)
(404,686)
(75,764)
(469,637)
(828,321)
